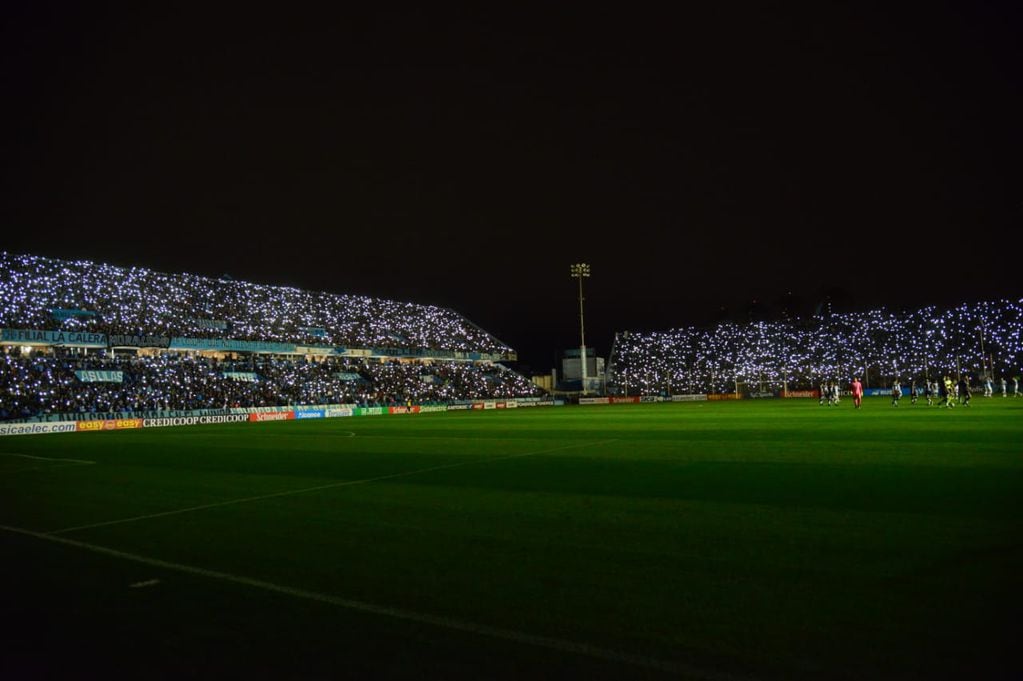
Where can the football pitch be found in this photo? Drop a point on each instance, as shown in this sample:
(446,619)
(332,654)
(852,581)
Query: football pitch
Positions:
(733,540)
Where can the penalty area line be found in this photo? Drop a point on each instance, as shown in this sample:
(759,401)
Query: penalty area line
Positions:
(551,643)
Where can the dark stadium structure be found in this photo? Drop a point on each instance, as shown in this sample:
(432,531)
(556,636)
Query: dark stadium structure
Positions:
(88,338)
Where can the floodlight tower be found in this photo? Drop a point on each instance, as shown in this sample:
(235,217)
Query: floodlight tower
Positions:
(581,270)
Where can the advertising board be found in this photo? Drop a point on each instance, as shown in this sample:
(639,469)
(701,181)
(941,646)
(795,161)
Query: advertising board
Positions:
(193,420)
(338,412)
(38,428)
(109,424)
(272,416)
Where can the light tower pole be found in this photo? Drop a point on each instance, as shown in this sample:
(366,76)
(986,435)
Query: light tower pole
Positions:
(581,270)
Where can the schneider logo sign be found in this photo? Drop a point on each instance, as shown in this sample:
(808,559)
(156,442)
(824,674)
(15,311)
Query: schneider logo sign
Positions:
(273,416)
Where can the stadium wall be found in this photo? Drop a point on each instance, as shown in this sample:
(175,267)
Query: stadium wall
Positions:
(129,421)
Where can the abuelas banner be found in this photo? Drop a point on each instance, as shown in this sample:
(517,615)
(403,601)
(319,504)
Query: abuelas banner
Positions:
(89,376)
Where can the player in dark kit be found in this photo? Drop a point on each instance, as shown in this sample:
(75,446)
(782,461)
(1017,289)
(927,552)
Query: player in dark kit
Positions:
(913,392)
(964,391)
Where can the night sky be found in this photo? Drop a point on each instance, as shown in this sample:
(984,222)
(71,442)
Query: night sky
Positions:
(698,161)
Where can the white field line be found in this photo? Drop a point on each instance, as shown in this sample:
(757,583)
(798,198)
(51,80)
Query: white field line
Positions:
(142,585)
(556,644)
(46,458)
(332,485)
(365,436)
(45,468)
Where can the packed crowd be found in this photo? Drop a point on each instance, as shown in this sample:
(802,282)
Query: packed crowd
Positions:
(983,340)
(37,384)
(115,300)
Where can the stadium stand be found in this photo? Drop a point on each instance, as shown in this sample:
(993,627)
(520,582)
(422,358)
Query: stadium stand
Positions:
(114,300)
(37,384)
(976,339)
(80,337)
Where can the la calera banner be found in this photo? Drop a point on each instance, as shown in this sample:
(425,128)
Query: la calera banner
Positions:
(85,339)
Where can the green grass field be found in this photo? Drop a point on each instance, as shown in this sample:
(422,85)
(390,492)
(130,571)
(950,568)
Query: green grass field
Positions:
(758,539)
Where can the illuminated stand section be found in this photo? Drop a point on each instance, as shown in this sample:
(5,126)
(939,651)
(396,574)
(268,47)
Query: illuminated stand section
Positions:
(977,341)
(105,348)
(187,312)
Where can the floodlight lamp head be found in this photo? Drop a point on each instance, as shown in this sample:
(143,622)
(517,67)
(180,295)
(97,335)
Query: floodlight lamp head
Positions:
(580,269)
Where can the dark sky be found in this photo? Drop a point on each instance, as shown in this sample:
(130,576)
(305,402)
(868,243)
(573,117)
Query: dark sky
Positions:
(698,161)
